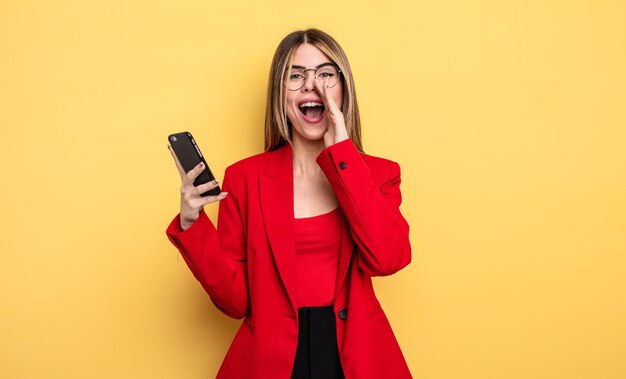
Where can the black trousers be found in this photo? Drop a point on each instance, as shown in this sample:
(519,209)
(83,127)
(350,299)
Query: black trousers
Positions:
(317,355)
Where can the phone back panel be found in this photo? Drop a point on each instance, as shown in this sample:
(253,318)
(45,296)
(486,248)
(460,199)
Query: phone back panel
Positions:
(189,156)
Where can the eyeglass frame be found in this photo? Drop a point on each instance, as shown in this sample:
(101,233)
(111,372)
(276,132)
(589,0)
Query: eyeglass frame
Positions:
(339,72)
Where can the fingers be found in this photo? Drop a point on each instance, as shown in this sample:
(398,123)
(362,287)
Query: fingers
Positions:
(191,199)
(213,199)
(191,196)
(331,102)
(321,89)
(198,202)
(327,97)
(202,188)
(194,172)
(188,188)
(178,165)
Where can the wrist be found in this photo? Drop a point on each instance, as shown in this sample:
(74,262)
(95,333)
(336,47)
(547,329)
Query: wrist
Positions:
(341,138)
(186,222)
(185,225)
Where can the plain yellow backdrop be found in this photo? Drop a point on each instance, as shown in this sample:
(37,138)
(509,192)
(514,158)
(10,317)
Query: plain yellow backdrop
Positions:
(507,118)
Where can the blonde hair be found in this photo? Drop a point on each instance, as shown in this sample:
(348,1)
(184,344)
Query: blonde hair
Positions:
(278,129)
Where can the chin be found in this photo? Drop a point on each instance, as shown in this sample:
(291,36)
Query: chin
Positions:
(311,132)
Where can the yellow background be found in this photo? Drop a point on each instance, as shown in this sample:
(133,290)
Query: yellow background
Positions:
(507,118)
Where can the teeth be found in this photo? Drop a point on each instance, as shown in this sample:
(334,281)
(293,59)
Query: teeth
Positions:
(311,104)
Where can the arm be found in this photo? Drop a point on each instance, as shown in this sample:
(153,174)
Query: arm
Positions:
(217,257)
(376,224)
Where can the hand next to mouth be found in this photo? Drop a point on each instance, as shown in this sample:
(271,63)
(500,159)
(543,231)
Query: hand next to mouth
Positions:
(336,126)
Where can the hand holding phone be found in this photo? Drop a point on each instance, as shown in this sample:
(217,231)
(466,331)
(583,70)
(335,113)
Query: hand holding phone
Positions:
(199,186)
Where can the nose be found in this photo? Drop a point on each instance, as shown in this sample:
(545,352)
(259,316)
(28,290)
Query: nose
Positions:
(308,81)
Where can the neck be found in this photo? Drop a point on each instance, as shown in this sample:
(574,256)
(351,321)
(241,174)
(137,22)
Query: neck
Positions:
(304,154)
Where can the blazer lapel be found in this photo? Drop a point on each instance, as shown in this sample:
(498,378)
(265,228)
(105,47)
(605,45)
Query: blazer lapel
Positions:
(276,192)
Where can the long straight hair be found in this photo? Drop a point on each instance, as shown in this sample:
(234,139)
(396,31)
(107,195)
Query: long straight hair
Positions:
(278,129)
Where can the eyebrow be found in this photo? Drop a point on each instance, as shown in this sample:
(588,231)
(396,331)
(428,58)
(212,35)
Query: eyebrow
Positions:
(316,67)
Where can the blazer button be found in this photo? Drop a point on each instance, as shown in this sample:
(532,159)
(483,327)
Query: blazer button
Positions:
(343,314)
(342,165)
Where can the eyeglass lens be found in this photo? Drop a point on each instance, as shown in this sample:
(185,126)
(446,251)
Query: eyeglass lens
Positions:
(329,75)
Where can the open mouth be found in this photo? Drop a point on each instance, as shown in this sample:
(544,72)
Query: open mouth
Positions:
(312,111)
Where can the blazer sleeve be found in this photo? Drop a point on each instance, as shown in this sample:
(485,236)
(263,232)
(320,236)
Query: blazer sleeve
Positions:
(217,256)
(373,211)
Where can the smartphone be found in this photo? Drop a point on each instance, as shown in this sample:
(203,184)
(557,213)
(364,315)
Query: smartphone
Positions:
(189,156)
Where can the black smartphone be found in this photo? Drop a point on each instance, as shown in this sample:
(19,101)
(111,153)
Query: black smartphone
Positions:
(189,156)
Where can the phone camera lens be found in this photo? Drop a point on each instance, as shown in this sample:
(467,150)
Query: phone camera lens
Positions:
(173,138)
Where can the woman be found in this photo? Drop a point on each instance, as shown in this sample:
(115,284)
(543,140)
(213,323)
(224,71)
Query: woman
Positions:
(303,227)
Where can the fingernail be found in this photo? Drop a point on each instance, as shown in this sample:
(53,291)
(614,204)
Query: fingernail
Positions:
(201,164)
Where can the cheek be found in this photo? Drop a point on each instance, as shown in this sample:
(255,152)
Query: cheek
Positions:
(292,115)
(291,109)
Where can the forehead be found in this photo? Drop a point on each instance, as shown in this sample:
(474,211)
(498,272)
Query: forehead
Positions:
(308,55)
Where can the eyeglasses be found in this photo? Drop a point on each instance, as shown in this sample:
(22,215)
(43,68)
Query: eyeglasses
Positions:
(329,73)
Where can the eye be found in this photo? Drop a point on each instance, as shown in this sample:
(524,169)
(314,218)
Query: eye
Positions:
(296,76)
(327,72)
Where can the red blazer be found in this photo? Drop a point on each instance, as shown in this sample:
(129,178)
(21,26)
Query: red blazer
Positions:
(247,264)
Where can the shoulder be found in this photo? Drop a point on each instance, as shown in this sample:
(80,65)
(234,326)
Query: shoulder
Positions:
(251,163)
(386,168)
(374,162)
(270,162)
(240,175)
(247,166)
